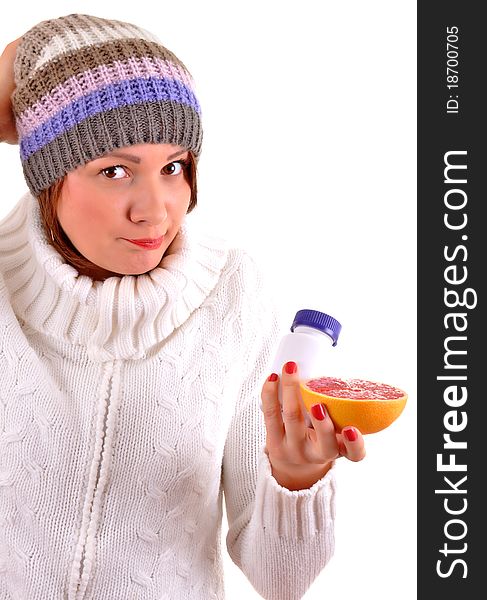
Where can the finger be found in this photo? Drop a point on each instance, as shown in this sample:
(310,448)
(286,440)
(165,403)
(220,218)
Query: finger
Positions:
(292,414)
(325,433)
(352,444)
(272,411)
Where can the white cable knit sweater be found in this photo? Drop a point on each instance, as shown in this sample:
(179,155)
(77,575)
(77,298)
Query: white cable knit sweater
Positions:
(128,409)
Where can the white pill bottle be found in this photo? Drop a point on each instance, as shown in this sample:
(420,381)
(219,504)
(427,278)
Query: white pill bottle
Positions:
(313,335)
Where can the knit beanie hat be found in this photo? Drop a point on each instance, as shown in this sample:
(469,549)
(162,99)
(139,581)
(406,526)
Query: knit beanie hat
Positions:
(86,86)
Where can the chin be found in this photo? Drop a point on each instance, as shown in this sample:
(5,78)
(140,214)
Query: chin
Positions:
(129,268)
(142,270)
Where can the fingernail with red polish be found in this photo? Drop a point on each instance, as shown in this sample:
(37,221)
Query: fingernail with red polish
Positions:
(290,367)
(272,377)
(318,411)
(350,434)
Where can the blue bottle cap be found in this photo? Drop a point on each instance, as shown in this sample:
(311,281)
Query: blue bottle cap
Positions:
(318,320)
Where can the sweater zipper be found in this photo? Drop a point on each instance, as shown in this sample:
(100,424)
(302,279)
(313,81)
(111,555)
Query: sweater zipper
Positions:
(82,569)
(82,560)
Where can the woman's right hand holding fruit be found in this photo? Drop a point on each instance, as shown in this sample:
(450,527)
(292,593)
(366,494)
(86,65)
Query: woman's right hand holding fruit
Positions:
(8,131)
(300,455)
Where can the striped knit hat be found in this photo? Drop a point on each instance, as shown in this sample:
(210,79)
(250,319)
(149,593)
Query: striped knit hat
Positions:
(86,85)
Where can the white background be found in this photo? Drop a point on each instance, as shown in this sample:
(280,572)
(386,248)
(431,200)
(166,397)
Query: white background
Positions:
(309,161)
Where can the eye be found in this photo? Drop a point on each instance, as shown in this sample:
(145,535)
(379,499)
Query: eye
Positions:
(174,168)
(111,172)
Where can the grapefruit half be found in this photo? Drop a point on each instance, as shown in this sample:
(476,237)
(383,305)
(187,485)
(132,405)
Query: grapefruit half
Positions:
(368,405)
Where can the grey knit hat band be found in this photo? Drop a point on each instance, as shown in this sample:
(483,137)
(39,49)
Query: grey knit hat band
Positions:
(86,86)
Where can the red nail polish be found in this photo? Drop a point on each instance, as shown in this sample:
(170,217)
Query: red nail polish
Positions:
(272,377)
(290,367)
(318,411)
(350,434)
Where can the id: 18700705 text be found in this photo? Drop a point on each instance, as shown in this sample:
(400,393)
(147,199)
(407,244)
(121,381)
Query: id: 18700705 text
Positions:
(452,74)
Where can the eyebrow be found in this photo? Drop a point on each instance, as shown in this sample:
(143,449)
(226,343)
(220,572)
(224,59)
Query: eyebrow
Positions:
(137,159)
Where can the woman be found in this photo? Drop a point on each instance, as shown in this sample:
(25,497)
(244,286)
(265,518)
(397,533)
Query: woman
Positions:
(133,351)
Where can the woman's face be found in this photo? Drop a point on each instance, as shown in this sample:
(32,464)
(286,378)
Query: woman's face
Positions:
(137,192)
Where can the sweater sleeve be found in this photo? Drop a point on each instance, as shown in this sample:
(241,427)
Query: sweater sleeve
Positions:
(280,539)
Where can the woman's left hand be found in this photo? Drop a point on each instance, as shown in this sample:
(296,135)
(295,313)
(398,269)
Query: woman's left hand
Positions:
(300,455)
(8,131)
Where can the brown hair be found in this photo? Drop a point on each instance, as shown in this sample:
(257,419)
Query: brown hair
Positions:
(48,203)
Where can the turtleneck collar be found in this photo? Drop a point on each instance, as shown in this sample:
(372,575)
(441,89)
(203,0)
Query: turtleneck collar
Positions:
(119,318)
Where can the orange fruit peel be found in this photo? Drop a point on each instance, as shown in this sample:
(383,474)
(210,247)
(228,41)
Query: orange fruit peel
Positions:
(368,405)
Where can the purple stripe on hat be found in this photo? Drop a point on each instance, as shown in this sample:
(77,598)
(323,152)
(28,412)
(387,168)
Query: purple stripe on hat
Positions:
(94,79)
(132,91)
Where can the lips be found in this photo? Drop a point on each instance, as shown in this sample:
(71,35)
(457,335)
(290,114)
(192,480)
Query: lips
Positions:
(150,244)
(147,240)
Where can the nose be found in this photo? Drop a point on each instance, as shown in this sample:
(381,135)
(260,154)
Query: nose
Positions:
(149,202)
